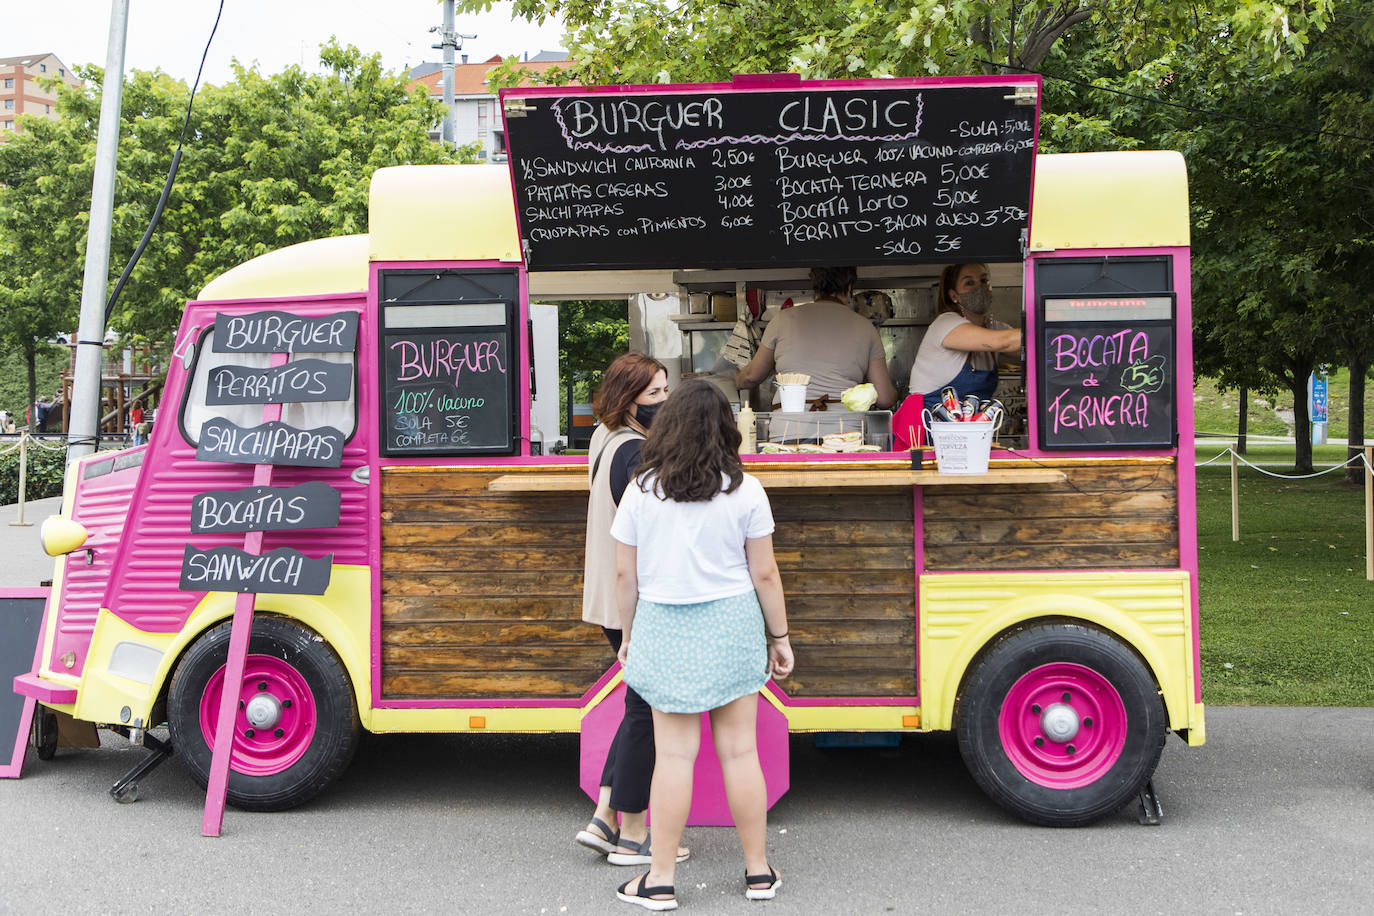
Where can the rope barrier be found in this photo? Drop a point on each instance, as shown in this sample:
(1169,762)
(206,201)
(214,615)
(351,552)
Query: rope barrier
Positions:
(1357,459)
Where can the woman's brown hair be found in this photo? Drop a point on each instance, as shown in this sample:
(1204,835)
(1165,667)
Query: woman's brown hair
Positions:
(693,442)
(949,278)
(626,376)
(833,282)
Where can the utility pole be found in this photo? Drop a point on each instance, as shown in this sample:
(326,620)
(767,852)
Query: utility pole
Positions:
(449,41)
(90,337)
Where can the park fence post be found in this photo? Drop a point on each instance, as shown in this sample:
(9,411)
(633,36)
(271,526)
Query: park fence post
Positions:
(1369,513)
(23,474)
(1235,497)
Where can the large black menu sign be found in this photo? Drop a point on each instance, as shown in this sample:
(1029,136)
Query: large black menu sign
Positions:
(910,172)
(448,390)
(1107,372)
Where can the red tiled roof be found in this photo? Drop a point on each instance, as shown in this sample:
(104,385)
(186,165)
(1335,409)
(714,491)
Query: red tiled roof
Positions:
(471,79)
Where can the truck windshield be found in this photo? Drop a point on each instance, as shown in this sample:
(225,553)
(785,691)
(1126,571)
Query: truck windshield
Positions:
(341,415)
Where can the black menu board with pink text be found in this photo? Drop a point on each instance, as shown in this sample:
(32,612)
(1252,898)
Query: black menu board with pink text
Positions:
(449,359)
(1107,371)
(771,172)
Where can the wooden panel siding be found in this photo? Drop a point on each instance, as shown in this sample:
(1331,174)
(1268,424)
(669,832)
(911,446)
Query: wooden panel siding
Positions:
(482,591)
(847,563)
(1118,515)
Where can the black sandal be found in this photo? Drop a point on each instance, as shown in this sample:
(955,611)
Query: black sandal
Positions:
(603,844)
(645,896)
(773,879)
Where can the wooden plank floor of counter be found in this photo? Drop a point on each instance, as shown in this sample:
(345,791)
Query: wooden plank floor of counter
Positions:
(790,476)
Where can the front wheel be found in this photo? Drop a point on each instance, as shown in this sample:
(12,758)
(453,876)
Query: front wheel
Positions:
(296,726)
(1060,724)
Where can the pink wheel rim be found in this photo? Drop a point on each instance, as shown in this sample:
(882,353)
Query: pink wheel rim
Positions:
(275,720)
(1062,725)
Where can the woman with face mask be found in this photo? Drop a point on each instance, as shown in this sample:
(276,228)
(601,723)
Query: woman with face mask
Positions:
(960,347)
(633,388)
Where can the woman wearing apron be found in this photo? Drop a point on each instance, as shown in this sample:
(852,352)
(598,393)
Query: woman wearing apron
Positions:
(960,347)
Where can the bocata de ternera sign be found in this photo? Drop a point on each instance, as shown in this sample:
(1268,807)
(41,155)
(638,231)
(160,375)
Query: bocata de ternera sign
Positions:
(1107,372)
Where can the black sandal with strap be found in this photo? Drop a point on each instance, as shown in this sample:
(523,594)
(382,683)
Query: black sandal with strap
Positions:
(647,896)
(772,879)
(603,844)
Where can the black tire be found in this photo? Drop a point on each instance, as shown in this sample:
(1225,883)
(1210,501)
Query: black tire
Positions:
(1027,767)
(45,734)
(279,776)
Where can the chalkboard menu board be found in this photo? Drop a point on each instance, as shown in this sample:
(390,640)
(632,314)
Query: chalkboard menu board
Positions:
(1107,372)
(909,171)
(450,359)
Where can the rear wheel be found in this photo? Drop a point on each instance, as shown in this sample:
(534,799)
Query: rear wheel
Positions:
(296,726)
(1061,724)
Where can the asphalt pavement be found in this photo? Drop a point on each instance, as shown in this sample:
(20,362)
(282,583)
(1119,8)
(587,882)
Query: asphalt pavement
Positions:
(23,564)
(1274,815)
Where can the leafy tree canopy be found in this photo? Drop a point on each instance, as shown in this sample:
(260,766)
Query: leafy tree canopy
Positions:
(269,161)
(647,41)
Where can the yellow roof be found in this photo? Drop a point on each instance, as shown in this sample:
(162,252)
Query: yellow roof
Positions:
(442,213)
(466,213)
(1109,200)
(319,267)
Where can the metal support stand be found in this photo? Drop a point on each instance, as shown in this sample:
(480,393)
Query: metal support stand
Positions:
(1151,811)
(125,791)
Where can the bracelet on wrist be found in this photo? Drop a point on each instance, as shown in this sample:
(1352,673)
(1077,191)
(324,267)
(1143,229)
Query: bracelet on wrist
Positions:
(782,635)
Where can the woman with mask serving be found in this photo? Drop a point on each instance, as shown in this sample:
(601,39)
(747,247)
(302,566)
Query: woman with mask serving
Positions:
(960,347)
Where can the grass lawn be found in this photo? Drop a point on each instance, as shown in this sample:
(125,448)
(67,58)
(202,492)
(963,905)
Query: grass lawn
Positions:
(1219,412)
(1287,615)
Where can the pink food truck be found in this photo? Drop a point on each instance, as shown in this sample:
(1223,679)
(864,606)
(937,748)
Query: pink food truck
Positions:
(353,473)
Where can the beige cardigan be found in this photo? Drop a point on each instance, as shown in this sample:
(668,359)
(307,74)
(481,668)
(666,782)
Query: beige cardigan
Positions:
(598,580)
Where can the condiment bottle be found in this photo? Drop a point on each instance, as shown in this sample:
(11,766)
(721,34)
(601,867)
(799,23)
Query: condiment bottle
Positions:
(748,437)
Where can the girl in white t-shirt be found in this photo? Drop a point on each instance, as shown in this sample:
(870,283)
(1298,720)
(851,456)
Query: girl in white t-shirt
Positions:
(704,621)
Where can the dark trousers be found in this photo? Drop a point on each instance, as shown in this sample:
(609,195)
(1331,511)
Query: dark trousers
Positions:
(630,761)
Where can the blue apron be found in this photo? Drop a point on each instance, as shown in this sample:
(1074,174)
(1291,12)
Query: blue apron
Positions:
(982,382)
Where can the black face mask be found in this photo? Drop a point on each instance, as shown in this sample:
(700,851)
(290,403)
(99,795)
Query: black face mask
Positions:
(644,413)
(976,301)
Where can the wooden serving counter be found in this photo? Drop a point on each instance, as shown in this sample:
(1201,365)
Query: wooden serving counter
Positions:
(481,573)
(796,475)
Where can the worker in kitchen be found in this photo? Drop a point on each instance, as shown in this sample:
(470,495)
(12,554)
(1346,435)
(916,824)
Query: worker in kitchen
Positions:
(960,347)
(826,340)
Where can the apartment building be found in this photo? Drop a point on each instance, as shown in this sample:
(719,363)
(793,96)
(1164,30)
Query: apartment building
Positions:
(476,116)
(21,91)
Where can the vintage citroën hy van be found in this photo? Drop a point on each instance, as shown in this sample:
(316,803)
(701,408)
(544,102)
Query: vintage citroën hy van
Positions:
(355,431)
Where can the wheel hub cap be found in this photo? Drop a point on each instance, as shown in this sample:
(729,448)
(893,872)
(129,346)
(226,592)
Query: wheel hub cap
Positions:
(1062,725)
(1059,723)
(264,711)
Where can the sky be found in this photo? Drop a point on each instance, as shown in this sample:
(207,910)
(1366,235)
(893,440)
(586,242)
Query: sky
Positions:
(171,34)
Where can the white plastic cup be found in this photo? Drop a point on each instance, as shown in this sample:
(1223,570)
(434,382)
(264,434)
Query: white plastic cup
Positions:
(793,398)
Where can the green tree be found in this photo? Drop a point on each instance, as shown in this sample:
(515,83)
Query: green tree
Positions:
(269,161)
(1282,274)
(42,240)
(592,332)
(646,41)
